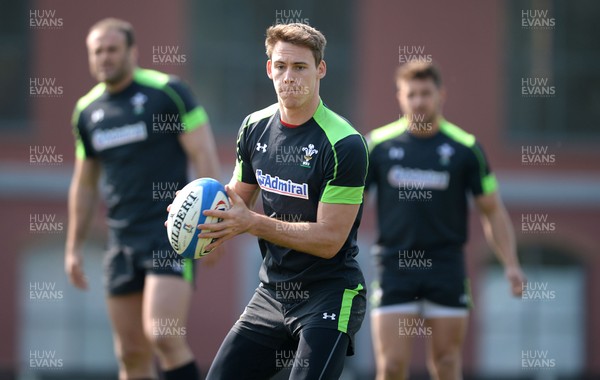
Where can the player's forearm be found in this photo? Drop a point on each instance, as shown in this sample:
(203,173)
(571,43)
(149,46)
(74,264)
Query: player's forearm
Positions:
(248,193)
(500,236)
(82,202)
(200,148)
(206,164)
(311,238)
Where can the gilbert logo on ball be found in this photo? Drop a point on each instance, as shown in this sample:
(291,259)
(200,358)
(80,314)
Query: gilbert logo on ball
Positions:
(186,213)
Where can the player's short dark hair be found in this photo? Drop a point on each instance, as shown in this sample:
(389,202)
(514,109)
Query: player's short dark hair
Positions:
(119,25)
(297,34)
(419,70)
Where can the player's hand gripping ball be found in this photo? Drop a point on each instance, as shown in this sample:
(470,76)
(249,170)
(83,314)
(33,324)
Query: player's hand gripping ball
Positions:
(186,213)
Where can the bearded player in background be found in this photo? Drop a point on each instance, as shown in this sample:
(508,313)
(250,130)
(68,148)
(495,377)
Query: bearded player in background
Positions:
(424,167)
(116,136)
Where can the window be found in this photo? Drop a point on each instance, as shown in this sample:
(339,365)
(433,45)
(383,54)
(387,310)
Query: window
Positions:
(553,86)
(14,35)
(64,331)
(544,332)
(229,66)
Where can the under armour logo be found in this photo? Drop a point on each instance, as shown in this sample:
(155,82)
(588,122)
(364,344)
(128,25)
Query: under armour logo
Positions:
(262,147)
(330,316)
(396,153)
(98,115)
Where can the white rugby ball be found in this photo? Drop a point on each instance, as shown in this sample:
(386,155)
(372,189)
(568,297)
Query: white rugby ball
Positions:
(186,213)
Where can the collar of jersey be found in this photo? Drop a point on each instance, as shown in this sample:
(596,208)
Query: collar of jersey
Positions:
(318,112)
(123,92)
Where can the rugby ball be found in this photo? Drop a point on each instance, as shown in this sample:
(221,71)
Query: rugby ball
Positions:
(186,213)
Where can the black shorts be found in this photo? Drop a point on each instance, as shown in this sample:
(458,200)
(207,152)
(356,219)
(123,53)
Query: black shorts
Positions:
(127,263)
(273,317)
(436,276)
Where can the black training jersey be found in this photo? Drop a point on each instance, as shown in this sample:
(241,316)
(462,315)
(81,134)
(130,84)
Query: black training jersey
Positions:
(422,185)
(323,160)
(134,136)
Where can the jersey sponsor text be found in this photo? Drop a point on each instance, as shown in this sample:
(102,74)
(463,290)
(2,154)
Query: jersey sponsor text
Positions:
(110,138)
(399,176)
(281,186)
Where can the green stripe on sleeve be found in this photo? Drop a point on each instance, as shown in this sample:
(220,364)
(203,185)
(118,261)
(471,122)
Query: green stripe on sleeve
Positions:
(160,81)
(150,78)
(346,308)
(176,99)
(368,160)
(194,119)
(237,172)
(337,128)
(343,195)
(489,184)
(82,104)
(262,114)
(86,100)
(387,132)
(79,149)
(456,133)
(334,126)
(188,270)
(488,181)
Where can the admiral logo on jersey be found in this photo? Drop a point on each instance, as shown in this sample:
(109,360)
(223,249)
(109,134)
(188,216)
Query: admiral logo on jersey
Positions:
(281,186)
